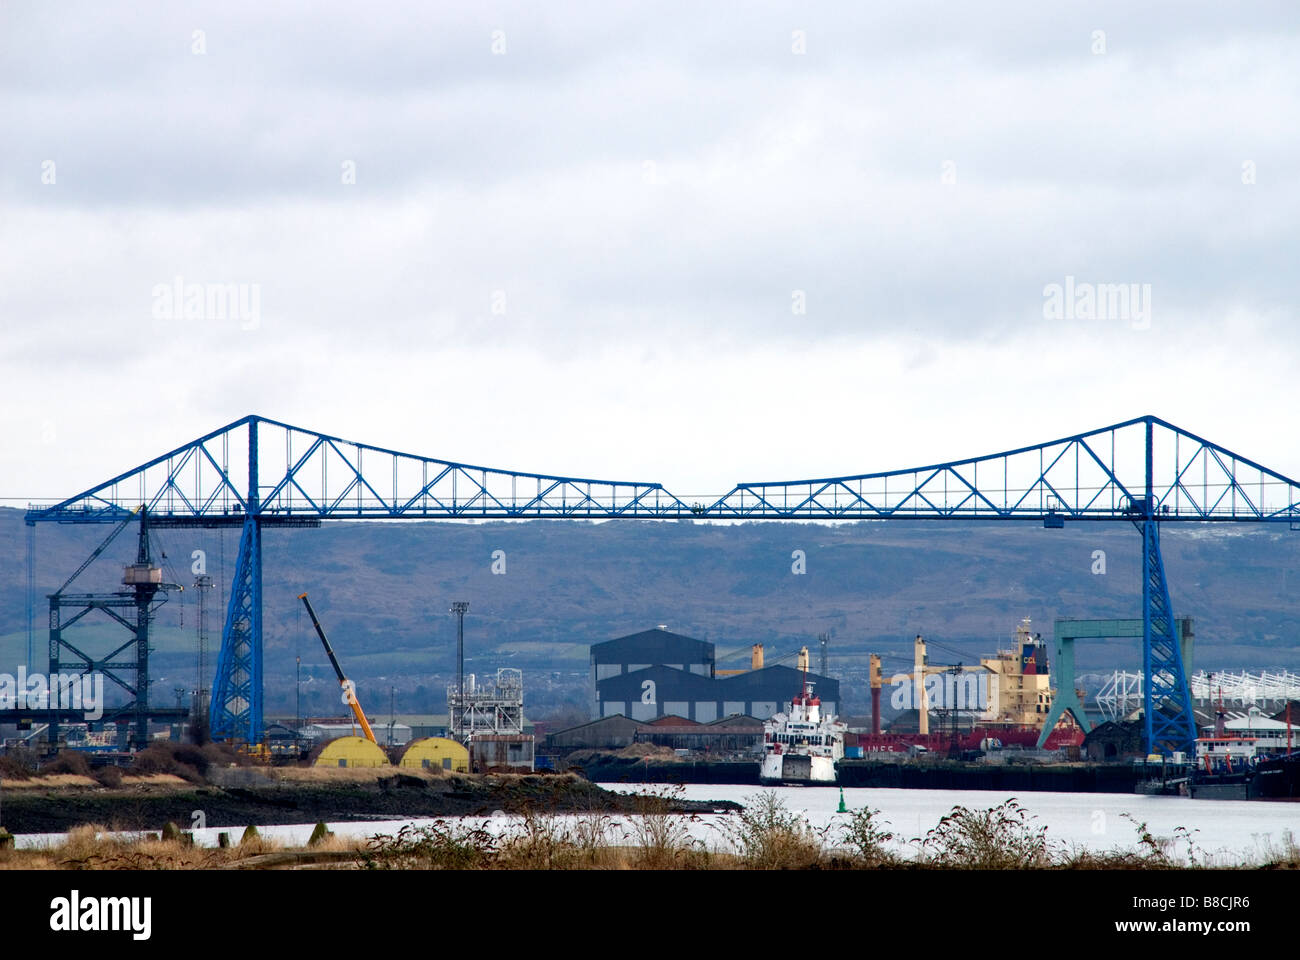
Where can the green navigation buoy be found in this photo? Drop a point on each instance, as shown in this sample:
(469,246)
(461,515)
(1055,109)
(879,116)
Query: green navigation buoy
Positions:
(842,809)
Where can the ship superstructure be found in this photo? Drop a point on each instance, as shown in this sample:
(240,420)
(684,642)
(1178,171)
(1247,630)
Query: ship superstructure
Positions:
(802,746)
(1021,683)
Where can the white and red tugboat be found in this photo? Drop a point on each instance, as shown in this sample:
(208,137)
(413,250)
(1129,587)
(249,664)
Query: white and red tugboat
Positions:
(802,747)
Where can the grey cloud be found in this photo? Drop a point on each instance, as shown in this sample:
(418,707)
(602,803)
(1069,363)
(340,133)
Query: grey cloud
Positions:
(663,182)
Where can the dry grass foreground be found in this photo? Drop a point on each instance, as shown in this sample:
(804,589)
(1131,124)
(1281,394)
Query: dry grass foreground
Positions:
(766,835)
(73,781)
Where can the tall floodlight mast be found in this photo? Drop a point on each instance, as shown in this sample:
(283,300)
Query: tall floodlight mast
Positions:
(459,608)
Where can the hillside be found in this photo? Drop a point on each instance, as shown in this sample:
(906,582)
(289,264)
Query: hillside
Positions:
(383,590)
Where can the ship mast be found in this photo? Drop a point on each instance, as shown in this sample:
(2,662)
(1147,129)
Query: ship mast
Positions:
(1220,715)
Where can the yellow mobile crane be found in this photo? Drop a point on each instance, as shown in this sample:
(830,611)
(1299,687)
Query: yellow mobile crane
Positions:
(349,688)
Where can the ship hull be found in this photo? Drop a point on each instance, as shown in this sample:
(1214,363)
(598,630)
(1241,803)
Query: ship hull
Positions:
(1273,779)
(794,769)
(1007,735)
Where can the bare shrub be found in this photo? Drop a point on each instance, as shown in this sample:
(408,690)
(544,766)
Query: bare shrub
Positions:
(1151,852)
(594,836)
(18,763)
(443,844)
(1278,856)
(177,759)
(769,836)
(997,838)
(540,842)
(662,838)
(865,837)
(82,843)
(68,761)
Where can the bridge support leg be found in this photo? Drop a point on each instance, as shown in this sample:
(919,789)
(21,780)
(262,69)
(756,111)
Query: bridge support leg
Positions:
(55,664)
(1067,697)
(1169,721)
(235,711)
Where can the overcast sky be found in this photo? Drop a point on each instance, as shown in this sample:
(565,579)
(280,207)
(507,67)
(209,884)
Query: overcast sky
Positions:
(693,246)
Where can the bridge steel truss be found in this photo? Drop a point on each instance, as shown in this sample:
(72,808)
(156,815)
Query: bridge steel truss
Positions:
(255,472)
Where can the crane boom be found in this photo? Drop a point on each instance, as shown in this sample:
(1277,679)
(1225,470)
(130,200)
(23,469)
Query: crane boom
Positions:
(98,550)
(349,688)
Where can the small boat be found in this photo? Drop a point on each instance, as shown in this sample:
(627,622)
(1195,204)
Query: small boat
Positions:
(1233,768)
(802,746)
(1248,758)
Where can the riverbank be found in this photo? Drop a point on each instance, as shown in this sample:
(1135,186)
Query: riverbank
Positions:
(302,795)
(928,775)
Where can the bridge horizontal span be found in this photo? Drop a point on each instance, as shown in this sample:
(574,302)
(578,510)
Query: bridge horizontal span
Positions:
(288,475)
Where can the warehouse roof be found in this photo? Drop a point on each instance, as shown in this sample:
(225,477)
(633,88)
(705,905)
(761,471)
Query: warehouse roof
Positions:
(683,684)
(769,683)
(703,729)
(737,720)
(619,730)
(617,721)
(780,678)
(652,646)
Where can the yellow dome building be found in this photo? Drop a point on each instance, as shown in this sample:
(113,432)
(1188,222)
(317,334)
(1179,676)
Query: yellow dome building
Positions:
(437,753)
(352,752)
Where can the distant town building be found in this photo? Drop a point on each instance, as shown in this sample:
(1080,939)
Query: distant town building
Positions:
(1114,741)
(386,734)
(489,751)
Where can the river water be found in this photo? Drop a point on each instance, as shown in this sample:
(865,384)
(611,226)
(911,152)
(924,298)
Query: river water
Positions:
(1225,832)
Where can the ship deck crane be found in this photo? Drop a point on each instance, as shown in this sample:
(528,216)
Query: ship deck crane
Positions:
(755,661)
(923,668)
(349,688)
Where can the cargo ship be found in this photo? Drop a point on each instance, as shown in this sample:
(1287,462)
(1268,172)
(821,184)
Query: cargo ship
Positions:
(802,746)
(1018,701)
